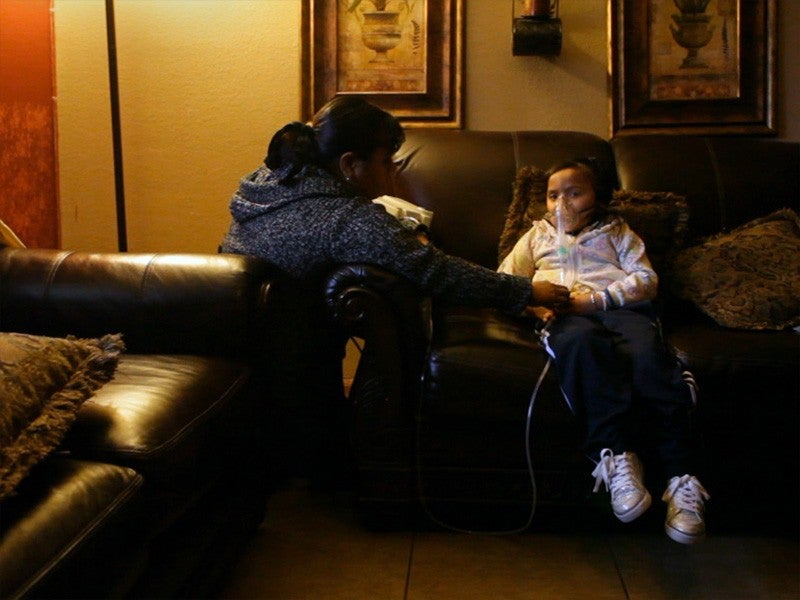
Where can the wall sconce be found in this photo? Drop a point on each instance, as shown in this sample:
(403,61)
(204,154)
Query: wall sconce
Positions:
(537,28)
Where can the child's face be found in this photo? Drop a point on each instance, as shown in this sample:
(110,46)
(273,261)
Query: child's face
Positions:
(578,192)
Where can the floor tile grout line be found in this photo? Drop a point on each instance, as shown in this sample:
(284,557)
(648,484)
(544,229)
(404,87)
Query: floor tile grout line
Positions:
(617,568)
(408,566)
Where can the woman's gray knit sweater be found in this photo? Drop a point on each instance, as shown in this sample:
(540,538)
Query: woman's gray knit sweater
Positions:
(314,224)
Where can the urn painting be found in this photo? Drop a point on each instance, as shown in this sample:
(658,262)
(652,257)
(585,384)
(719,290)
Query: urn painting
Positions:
(382,46)
(694,49)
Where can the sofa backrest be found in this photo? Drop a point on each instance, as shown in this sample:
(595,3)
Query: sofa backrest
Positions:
(162,303)
(727,181)
(466,178)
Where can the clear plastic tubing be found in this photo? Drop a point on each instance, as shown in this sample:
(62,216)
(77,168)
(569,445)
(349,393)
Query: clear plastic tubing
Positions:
(565,248)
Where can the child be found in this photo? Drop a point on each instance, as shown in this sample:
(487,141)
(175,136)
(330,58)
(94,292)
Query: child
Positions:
(606,346)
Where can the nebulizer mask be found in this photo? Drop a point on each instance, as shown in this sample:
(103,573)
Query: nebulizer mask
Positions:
(565,220)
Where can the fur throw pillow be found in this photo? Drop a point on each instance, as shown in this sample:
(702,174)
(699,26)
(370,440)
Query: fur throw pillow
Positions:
(527,205)
(43,382)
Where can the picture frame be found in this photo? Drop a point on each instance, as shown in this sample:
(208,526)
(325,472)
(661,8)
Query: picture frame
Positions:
(405,56)
(701,67)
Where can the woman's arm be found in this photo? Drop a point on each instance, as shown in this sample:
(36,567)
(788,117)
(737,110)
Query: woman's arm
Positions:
(368,234)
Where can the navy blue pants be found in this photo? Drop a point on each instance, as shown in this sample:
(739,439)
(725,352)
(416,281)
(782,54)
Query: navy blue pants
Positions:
(617,374)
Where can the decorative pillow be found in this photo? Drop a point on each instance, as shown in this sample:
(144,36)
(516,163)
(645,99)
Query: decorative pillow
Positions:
(659,218)
(527,205)
(43,382)
(748,278)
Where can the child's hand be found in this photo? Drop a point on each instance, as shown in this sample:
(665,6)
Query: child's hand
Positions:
(579,304)
(546,293)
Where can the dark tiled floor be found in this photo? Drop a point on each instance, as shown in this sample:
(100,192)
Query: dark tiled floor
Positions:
(312,547)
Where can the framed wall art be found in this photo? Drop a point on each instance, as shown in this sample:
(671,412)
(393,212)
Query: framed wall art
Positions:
(693,66)
(406,56)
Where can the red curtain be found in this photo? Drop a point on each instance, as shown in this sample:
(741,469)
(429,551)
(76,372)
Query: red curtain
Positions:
(28,173)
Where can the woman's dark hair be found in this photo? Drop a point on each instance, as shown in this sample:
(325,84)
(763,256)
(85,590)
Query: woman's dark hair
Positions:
(294,145)
(601,182)
(345,124)
(351,124)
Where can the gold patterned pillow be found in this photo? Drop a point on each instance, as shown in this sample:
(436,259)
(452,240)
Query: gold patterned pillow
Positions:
(748,278)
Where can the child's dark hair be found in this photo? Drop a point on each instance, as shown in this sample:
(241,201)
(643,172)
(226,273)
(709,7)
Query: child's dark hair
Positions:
(603,185)
(345,124)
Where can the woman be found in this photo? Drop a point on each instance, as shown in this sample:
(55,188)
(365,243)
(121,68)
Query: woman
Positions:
(308,209)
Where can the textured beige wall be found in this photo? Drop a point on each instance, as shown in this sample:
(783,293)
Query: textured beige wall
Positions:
(85,161)
(564,92)
(202,84)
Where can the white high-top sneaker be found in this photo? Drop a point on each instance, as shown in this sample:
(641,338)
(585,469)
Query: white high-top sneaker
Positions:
(686,498)
(622,475)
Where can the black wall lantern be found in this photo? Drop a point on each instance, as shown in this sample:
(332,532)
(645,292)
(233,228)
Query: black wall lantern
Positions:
(537,28)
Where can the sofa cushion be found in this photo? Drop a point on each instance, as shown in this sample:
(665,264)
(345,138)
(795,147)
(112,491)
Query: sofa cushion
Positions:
(62,505)
(472,421)
(659,218)
(160,415)
(748,278)
(43,382)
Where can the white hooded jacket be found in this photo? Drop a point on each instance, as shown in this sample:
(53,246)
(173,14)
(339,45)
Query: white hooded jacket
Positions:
(611,258)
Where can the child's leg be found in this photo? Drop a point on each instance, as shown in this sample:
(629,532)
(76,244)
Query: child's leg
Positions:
(658,380)
(595,375)
(594,379)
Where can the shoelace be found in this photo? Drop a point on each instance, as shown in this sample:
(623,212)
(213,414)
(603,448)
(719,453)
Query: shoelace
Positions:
(604,470)
(615,474)
(687,492)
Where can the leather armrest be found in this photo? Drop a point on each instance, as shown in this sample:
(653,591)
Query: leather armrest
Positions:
(162,303)
(356,293)
(393,318)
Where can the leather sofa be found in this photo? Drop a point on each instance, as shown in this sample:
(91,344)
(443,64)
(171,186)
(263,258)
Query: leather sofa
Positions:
(442,395)
(163,473)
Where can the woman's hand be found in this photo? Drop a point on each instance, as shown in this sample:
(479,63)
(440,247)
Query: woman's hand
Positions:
(547,293)
(582,303)
(542,313)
